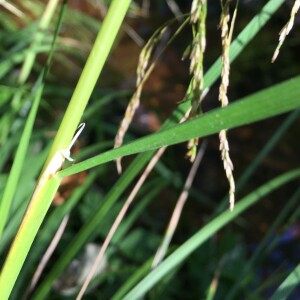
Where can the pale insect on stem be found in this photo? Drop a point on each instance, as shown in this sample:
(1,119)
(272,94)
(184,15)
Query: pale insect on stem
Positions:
(59,157)
(57,161)
(66,152)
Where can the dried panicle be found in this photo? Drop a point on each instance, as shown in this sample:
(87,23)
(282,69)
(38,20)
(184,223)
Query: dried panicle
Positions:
(198,18)
(226,35)
(286,29)
(130,110)
(142,72)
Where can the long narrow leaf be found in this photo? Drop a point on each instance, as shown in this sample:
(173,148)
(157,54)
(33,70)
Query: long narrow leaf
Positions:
(272,101)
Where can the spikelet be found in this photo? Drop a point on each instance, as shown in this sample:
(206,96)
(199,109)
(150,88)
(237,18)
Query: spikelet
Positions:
(286,29)
(226,36)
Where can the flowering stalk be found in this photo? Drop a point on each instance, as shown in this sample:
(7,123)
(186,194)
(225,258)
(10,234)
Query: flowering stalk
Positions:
(226,36)
(198,19)
(143,71)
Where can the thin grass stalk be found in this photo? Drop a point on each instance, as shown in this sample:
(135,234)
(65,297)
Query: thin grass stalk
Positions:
(149,192)
(111,198)
(172,226)
(13,9)
(118,220)
(46,257)
(134,35)
(175,9)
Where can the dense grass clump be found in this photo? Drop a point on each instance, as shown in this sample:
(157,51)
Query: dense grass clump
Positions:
(74,158)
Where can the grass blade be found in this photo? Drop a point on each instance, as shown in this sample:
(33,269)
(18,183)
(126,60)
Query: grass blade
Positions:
(288,285)
(269,102)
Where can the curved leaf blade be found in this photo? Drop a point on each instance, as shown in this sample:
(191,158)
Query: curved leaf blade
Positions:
(267,103)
